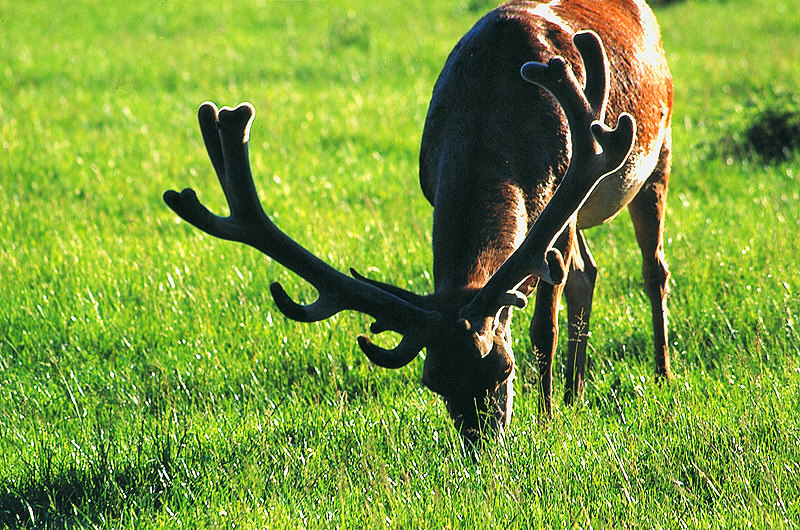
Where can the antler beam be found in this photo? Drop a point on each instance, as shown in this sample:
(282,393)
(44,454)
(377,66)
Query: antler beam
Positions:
(226,134)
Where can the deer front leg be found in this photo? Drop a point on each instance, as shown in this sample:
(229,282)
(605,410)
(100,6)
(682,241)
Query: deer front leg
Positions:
(647,213)
(544,327)
(544,336)
(578,292)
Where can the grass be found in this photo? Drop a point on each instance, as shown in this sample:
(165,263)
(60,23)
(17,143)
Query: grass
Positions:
(147,381)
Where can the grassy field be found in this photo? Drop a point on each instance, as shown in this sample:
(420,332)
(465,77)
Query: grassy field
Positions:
(147,380)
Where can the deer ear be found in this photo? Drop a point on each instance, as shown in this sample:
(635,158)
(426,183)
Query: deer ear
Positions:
(558,269)
(497,368)
(504,365)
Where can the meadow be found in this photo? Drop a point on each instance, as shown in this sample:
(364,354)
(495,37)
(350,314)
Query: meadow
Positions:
(148,381)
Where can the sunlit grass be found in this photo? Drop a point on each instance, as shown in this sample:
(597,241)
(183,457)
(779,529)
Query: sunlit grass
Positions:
(147,380)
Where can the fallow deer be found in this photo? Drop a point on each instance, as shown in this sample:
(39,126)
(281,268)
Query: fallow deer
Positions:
(516,161)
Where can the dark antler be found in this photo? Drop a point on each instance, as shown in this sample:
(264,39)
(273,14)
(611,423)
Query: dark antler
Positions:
(226,134)
(596,152)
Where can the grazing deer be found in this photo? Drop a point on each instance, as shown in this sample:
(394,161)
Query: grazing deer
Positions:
(515,166)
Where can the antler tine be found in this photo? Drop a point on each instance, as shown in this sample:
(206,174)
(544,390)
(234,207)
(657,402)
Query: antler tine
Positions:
(234,133)
(207,116)
(595,64)
(596,151)
(401,355)
(408,296)
(226,133)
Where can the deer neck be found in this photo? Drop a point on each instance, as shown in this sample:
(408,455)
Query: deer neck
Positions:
(474,232)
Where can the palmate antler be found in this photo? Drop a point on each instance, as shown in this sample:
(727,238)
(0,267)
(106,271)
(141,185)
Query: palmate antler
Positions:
(226,134)
(596,152)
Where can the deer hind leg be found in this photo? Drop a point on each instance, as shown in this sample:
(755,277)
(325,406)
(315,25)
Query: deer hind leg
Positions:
(544,327)
(647,212)
(578,292)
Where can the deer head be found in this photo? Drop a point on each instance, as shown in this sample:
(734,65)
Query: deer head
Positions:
(467,336)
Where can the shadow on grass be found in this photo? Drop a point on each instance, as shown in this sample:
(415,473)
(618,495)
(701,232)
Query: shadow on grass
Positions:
(64,494)
(74,496)
(770,133)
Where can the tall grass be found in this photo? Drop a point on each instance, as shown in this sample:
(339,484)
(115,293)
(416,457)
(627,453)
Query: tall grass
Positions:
(147,381)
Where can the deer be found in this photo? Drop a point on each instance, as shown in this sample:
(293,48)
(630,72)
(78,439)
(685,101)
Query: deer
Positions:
(517,161)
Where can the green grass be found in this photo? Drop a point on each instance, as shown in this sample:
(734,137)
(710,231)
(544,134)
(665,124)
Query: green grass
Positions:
(147,380)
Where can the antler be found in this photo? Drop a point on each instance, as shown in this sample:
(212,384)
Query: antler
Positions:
(596,151)
(226,133)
